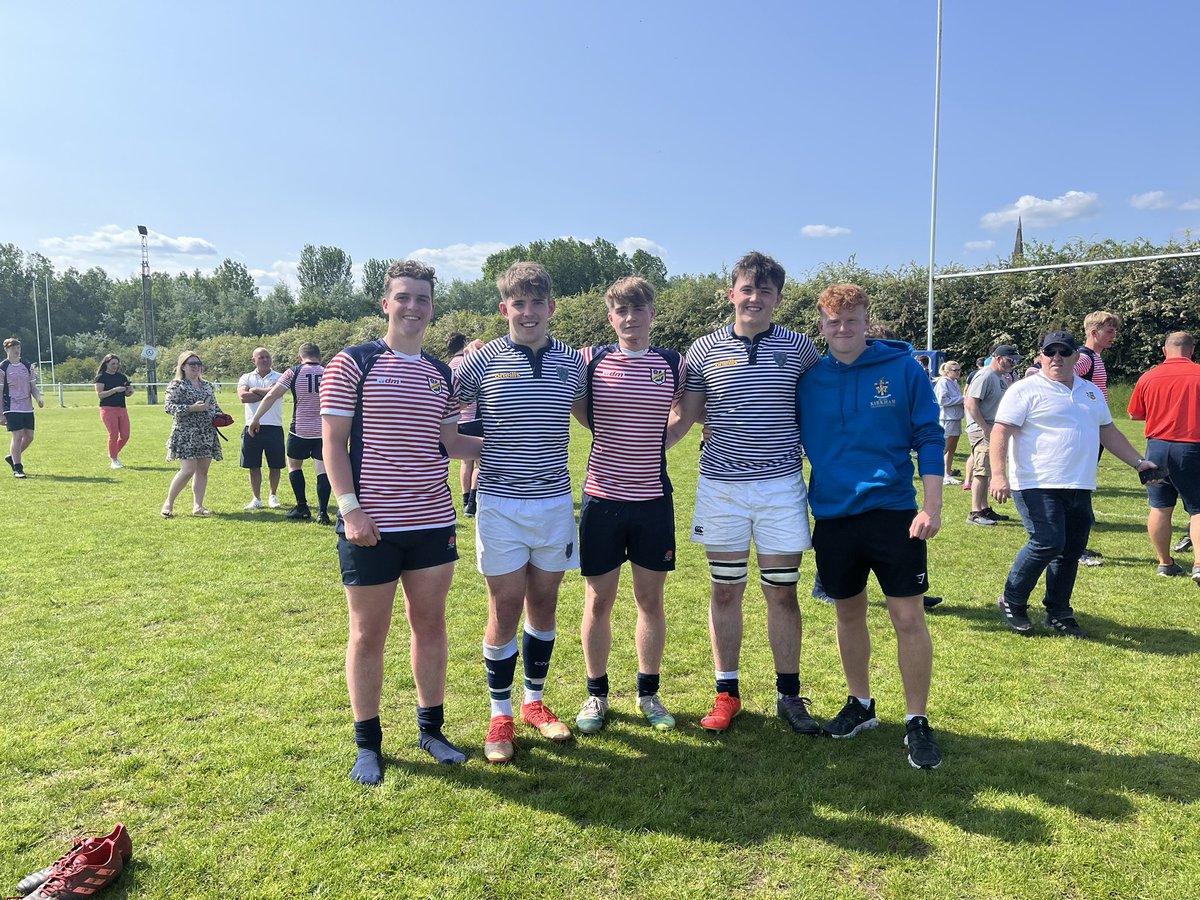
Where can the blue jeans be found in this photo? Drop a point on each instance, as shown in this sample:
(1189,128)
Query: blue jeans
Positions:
(1059,522)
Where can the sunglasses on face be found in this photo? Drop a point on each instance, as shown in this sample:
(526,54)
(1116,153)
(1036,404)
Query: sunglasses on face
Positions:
(193,362)
(1061,352)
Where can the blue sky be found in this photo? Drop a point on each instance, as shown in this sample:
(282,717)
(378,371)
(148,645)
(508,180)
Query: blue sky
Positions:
(696,130)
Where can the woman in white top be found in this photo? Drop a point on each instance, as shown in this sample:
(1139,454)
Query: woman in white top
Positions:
(950,401)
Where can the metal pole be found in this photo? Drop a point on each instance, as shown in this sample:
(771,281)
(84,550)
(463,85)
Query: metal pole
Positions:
(937,107)
(50,329)
(148,323)
(37,326)
(1070,265)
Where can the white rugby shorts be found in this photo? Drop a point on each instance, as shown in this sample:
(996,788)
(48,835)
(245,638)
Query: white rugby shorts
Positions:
(513,531)
(773,513)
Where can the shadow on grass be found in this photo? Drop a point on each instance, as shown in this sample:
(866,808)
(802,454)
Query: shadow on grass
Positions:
(759,780)
(983,615)
(93,479)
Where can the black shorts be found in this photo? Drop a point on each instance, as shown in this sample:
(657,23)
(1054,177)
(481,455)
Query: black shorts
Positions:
(303,448)
(396,552)
(269,440)
(1182,460)
(612,531)
(19,421)
(849,548)
(474,428)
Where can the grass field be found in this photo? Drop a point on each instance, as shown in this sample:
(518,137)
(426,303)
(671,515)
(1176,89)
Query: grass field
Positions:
(186,678)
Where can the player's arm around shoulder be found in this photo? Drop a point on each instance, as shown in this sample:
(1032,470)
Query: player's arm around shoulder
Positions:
(460,446)
(684,414)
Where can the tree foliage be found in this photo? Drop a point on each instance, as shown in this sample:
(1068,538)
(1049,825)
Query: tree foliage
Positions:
(324,271)
(94,313)
(575,266)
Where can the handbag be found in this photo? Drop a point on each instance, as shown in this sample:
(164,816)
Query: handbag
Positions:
(221,420)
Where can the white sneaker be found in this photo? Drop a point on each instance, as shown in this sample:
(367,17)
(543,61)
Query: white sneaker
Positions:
(272,502)
(254,504)
(115,464)
(950,479)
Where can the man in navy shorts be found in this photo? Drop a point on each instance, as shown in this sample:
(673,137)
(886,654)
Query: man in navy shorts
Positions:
(627,511)
(263,434)
(863,411)
(304,435)
(388,409)
(1168,399)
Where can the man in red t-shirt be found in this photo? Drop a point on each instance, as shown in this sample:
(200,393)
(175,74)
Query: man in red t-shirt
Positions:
(1168,399)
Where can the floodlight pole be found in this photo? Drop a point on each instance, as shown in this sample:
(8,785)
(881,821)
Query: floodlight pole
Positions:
(148,324)
(937,106)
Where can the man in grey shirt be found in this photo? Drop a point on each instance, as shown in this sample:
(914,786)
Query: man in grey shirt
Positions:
(981,401)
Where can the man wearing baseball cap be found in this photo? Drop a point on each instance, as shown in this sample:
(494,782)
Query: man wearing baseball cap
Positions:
(1047,432)
(981,401)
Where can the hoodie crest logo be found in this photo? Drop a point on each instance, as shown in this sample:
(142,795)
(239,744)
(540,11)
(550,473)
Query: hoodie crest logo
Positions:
(883,397)
(658,376)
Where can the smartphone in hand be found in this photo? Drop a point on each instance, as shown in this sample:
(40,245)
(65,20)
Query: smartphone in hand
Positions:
(1158,473)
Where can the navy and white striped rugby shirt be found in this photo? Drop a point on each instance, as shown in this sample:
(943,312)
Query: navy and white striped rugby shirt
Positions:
(750,390)
(525,399)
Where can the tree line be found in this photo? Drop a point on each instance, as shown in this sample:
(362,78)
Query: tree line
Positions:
(223,316)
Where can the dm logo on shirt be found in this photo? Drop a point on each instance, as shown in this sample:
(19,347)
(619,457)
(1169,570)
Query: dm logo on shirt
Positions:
(780,357)
(1090,395)
(436,385)
(658,376)
(882,396)
(563,374)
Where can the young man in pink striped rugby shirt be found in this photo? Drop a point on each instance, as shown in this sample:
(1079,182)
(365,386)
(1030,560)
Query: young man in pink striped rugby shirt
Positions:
(388,408)
(627,511)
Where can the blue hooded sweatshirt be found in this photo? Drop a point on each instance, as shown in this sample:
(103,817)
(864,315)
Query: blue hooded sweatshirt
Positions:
(860,423)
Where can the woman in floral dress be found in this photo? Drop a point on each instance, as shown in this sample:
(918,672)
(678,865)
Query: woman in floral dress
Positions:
(193,439)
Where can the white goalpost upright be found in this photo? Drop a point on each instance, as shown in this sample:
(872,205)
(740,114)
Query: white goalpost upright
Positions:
(979,273)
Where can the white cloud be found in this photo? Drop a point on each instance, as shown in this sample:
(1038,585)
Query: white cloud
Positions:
(1190,204)
(282,270)
(823,231)
(119,250)
(463,261)
(631,245)
(1036,211)
(980,245)
(1150,200)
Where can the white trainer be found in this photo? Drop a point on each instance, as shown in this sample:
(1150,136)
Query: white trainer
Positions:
(254,504)
(273,502)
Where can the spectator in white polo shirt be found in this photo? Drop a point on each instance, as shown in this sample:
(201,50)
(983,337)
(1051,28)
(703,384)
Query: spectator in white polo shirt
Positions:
(1048,430)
